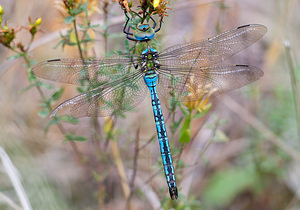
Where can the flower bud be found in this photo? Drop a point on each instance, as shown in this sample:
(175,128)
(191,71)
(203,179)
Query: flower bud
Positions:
(38,21)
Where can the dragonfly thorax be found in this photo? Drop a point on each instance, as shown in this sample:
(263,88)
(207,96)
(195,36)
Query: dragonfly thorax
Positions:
(149,60)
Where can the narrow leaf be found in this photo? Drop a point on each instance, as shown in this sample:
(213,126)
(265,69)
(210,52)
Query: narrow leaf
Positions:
(69,19)
(56,95)
(72,137)
(185,132)
(43,113)
(53,121)
(69,119)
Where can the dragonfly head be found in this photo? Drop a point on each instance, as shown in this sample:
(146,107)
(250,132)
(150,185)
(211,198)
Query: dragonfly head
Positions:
(143,32)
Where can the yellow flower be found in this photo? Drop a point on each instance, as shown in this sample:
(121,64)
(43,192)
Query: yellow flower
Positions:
(198,95)
(156,3)
(38,21)
(160,8)
(1,10)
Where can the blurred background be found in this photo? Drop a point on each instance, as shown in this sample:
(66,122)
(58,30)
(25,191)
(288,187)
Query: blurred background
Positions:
(244,152)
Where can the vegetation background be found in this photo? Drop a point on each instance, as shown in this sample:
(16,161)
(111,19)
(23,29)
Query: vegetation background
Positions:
(242,154)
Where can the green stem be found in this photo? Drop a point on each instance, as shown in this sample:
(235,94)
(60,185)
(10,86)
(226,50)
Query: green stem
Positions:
(77,39)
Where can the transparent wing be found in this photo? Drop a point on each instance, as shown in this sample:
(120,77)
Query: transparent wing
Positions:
(74,70)
(213,50)
(115,97)
(202,82)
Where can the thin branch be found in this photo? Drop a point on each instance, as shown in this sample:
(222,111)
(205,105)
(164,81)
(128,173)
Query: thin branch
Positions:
(135,159)
(147,143)
(153,175)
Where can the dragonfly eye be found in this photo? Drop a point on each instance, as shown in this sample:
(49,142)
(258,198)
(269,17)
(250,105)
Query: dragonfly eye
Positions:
(143,27)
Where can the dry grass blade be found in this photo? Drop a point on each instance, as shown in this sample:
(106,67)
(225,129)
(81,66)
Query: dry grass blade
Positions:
(15,179)
(258,125)
(294,83)
(120,167)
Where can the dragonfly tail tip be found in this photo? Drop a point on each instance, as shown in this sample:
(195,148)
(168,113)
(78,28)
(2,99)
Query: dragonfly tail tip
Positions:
(173,193)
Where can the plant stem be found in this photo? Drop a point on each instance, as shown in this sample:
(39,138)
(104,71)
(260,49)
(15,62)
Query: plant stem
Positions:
(77,39)
(42,95)
(135,159)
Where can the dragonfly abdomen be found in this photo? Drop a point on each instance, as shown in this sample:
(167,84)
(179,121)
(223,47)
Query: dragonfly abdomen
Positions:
(151,79)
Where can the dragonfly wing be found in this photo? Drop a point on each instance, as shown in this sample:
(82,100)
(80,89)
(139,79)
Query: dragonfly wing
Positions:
(213,50)
(118,96)
(74,70)
(187,84)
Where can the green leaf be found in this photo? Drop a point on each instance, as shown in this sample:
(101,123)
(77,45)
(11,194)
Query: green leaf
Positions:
(220,137)
(115,35)
(148,18)
(27,88)
(53,121)
(32,62)
(79,9)
(176,124)
(118,52)
(94,26)
(202,112)
(43,113)
(69,19)
(104,26)
(45,85)
(56,95)
(184,109)
(227,184)
(126,44)
(185,132)
(13,57)
(72,137)
(69,119)
(81,90)
(31,77)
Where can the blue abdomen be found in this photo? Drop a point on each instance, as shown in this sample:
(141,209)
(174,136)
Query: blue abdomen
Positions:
(151,80)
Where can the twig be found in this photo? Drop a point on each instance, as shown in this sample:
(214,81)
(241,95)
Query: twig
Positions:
(153,175)
(147,143)
(135,159)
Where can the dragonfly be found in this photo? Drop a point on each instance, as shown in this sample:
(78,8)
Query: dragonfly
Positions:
(187,72)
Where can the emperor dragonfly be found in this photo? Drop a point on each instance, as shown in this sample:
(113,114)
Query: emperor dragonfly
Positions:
(189,71)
